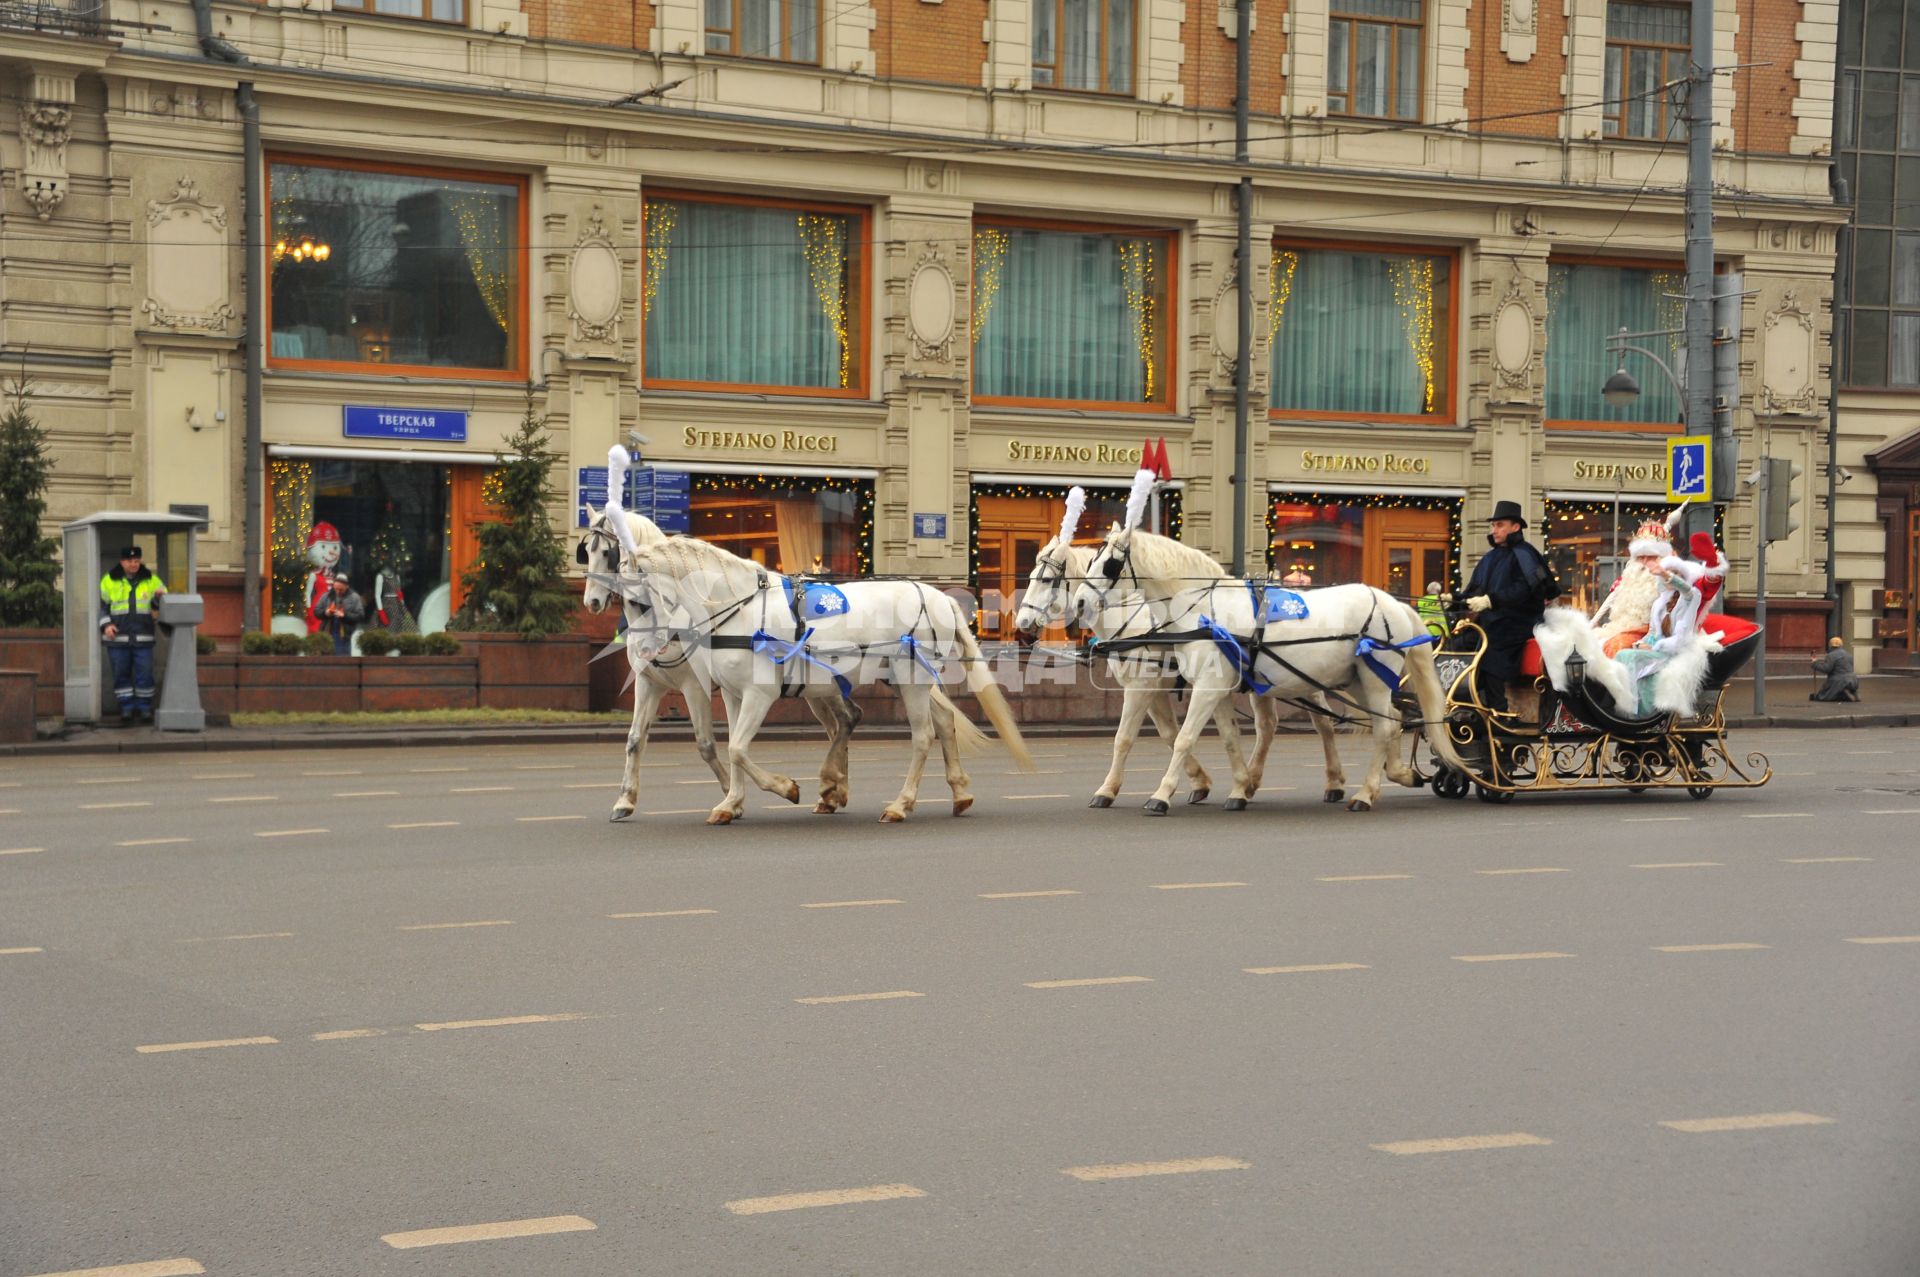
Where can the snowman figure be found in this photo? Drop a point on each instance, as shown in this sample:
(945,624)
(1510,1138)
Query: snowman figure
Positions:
(323,553)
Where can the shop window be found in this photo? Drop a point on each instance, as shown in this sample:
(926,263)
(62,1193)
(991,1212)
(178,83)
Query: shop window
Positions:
(449,11)
(376,269)
(1397,543)
(1084,44)
(1072,318)
(1362,333)
(788,524)
(1647,70)
(1586,544)
(754,296)
(1373,58)
(781,30)
(1587,304)
(1877,143)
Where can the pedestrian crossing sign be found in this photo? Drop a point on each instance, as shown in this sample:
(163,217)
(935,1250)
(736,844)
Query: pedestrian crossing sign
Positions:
(1689,469)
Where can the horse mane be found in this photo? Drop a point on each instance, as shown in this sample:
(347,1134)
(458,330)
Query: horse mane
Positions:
(1167,559)
(1078,558)
(684,556)
(645,531)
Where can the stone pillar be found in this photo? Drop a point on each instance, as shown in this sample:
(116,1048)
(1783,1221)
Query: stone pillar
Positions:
(1504,320)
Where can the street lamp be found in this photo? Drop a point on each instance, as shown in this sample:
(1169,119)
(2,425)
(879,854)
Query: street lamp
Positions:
(1621,390)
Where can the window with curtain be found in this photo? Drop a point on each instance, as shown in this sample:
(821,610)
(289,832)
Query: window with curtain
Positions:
(780,30)
(453,11)
(1084,44)
(1373,58)
(1646,63)
(790,524)
(406,271)
(1587,304)
(1877,145)
(1358,332)
(1072,316)
(760,296)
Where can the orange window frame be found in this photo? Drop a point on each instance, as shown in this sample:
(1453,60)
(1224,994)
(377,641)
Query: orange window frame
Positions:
(519,256)
(1414,29)
(1165,335)
(1576,425)
(1447,410)
(1106,86)
(858,319)
(788,19)
(366,7)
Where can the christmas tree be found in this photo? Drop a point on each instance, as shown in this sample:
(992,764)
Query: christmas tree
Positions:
(518,585)
(29,589)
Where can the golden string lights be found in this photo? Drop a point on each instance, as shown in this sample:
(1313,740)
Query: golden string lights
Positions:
(1413,293)
(823,239)
(482,238)
(1285,264)
(1140,271)
(290,518)
(661,217)
(989,265)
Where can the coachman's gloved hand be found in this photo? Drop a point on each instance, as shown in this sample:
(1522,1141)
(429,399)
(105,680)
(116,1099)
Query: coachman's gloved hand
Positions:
(1479,603)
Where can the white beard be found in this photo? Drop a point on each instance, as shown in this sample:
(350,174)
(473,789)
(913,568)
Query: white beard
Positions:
(1630,605)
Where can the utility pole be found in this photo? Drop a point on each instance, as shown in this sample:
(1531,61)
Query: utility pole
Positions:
(1243,347)
(1700,378)
(1761,479)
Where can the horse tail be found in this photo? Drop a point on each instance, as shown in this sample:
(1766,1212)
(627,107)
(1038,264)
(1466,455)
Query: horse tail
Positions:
(969,739)
(992,700)
(1431,697)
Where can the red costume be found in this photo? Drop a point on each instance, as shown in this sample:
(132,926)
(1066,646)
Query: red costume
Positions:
(322,533)
(1708,555)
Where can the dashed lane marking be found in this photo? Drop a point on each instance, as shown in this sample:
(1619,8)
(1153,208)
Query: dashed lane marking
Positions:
(1021,798)
(539,820)
(247,798)
(1137,1170)
(111,806)
(147,1268)
(501,1022)
(543,767)
(1507,957)
(1024,895)
(161,1048)
(287,833)
(697,780)
(664,913)
(454,926)
(1193,886)
(222,776)
(1869,751)
(501,1230)
(1709,948)
(111,780)
(826,1197)
(679,811)
(20,851)
(425,824)
(1039,771)
(1822,860)
(1081,984)
(22,949)
(848,904)
(251,935)
(1309,967)
(1652,820)
(368,793)
(436,771)
(1492,873)
(335,773)
(9,811)
(1363,877)
(481,789)
(1746,1122)
(150,842)
(1461,1144)
(1893,811)
(1883,939)
(1684,864)
(1773,815)
(343,1035)
(596,784)
(859,997)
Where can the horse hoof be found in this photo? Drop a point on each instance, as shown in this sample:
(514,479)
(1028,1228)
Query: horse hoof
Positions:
(1101,800)
(793,791)
(891,818)
(1236,804)
(1156,807)
(720,818)
(1336,795)
(1199,795)
(1359,804)
(619,814)
(960,806)
(824,808)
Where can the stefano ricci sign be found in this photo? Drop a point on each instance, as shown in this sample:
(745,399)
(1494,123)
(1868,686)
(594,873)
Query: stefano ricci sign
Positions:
(436,425)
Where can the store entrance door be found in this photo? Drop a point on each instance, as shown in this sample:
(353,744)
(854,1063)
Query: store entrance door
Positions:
(1013,531)
(470,512)
(1913,582)
(1407,550)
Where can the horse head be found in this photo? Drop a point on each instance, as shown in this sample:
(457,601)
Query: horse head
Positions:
(1049,596)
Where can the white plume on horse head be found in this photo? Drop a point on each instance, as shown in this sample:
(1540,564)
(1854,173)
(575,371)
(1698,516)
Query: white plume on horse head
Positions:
(1070,522)
(617,462)
(1137,496)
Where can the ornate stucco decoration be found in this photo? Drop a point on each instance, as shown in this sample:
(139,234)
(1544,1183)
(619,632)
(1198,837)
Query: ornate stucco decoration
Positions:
(1788,339)
(45,126)
(1519,29)
(593,283)
(187,262)
(931,308)
(1226,324)
(1514,322)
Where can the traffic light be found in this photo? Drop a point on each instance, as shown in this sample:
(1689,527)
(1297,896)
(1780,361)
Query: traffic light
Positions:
(1781,499)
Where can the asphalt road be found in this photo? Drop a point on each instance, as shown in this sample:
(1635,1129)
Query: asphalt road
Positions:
(298,1013)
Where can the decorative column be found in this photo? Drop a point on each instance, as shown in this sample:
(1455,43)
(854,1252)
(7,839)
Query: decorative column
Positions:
(46,124)
(1506,327)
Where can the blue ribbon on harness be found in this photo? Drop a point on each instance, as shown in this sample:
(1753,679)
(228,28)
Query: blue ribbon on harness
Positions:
(912,646)
(1242,663)
(780,651)
(1273,603)
(1369,645)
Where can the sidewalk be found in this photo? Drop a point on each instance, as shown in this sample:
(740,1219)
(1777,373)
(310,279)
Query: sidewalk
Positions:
(1886,700)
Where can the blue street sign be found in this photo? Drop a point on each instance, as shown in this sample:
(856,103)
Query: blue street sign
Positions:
(1690,468)
(438,425)
(930,526)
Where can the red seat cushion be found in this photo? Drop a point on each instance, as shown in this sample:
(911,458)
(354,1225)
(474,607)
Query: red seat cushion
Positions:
(1728,629)
(1531,665)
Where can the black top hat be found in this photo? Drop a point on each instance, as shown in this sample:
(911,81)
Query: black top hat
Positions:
(1507,510)
(129,551)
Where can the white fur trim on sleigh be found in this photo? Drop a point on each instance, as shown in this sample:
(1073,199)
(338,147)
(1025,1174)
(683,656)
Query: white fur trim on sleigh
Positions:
(1563,631)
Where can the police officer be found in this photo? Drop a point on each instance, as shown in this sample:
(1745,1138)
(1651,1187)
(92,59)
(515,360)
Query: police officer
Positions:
(1505,597)
(127,596)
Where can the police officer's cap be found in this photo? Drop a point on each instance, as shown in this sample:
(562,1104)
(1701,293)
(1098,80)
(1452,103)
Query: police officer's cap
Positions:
(129,551)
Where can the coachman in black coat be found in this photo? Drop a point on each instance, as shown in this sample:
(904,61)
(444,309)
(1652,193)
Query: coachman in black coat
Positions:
(1505,596)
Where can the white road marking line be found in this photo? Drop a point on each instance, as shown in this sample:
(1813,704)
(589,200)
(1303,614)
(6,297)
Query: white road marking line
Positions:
(1892,811)
(1509,957)
(222,776)
(664,913)
(1651,820)
(1747,1122)
(1708,948)
(148,1268)
(1039,771)
(848,904)
(1685,864)
(1822,860)
(1024,895)
(110,780)
(1021,798)
(543,767)
(452,926)
(826,1197)
(1135,1170)
(287,833)
(596,784)
(110,806)
(252,935)
(20,851)
(1312,966)
(150,842)
(500,1231)
(24,949)
(1773,815)
(436,771)
(334,773)
(368,793)
(538,820)
(160,1048)
(1081,984)
(679,811)
(342,1035)
(1193,886)
(501,1022)
(698,780)
(859,997)
(247,798)
(481,789)
(1869,751)
(9,811)
(425,824)
(1363,877)
(1883,939)
(1463,1144)
(1491,873)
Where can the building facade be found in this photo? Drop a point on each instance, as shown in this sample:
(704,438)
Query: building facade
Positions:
(876,282)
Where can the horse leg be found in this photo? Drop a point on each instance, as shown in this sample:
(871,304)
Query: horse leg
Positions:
(1166,726)
(1266,716)
(1201,704)
(1236,756)
(957,779)
(700,715)
(1336,789)
(837,717)
(918,703)
(646,702)
(1386,736)
(1135,703)
(743,722)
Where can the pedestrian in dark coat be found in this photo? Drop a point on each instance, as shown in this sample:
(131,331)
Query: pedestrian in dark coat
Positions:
(1504,596)
(340,612)
(1837,666)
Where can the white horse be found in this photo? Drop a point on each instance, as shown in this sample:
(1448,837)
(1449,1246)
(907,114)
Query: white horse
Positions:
(1348,630)
(675,668)
(759,648)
